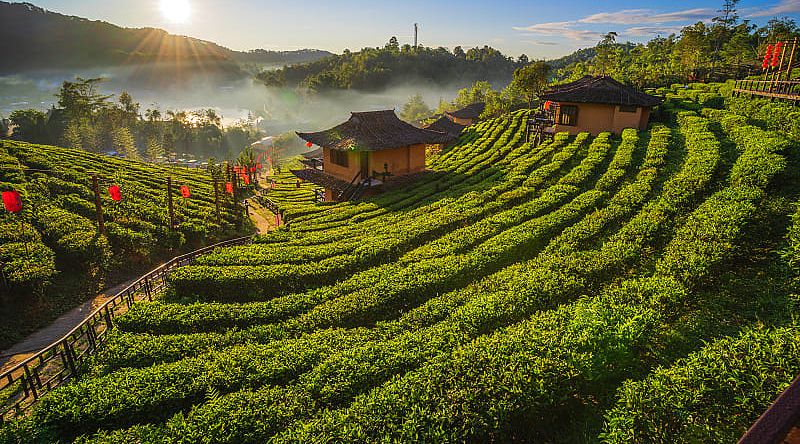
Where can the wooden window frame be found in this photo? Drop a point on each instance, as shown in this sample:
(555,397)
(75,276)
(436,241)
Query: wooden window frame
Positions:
(572,117)
(340,158)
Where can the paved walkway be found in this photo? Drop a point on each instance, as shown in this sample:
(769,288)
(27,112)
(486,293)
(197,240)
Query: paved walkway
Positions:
(55,331)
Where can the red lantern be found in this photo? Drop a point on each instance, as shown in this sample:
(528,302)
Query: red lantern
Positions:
(185,192)
(776,54)
(547,105)
(252,169)
(767,57)
(228,187)
(12,201)
(309,144)
(246,179)
(258,165)
(115,193)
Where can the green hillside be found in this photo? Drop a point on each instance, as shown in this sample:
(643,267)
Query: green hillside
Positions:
(51,255)
(589,289)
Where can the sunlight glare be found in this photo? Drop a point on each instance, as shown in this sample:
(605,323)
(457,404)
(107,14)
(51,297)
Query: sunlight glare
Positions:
(176,11)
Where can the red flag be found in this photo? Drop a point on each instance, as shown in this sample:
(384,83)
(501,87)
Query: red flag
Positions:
(185,192)
(228,187)
(12,201)
(115,193)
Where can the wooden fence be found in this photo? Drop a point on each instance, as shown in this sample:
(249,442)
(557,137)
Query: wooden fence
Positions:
(774,89)
(22,385)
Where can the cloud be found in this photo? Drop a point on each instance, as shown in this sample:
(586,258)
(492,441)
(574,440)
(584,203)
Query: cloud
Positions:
(561,29)
(646,31)
(576,30)
(784,7)
(540,43)
(636,16)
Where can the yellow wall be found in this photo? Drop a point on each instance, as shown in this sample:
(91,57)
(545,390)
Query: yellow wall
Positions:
(346,174)
(401,161)
(405,160)
(596,118)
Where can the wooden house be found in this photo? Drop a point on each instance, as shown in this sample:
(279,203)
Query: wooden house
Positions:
(598,104)
(368,148)
(468,115)
(447,126)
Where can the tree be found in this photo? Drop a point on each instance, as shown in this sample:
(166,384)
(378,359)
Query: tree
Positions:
(728,14)
(125,144)
(155,148)
(415,109)
(393,44)
(459,52)
(607,54)
(80,99)
(523,60)
(474,94)
(529,81)
(30,125)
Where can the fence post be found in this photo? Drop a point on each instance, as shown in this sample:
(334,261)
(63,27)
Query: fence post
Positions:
(29,381)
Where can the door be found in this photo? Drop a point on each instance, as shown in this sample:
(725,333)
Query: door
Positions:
(365,173)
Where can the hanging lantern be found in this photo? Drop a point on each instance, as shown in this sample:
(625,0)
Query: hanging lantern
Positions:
(547,105)
(12,201)
(228,187)
(776,54)
(258,165)
(252,169)
(246,179)
(309,144)
(115,193)
(767,57)
(185,192)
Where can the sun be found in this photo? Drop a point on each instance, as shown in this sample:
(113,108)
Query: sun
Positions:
(176,11)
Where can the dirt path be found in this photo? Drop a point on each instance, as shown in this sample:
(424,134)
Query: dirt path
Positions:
(56,330)
(262,218)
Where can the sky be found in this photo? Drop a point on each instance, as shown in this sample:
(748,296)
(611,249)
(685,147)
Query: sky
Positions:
(540,29)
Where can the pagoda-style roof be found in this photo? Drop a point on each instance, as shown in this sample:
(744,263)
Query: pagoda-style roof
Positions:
(373,131)
(314,154)
(469,112)
(321,178)
(601,89)
(447,126)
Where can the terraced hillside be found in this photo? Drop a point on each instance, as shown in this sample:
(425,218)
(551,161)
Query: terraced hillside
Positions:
(586,289)
(51,252)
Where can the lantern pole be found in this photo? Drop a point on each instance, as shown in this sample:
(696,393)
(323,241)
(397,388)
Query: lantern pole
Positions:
(98,205)
(791,60)
(169,204)
(216,199)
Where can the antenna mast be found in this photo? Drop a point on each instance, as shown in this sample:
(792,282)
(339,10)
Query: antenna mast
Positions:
(416,34)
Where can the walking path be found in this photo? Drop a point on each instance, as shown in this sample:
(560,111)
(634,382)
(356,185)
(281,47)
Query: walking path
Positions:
(55,331)
(40,339)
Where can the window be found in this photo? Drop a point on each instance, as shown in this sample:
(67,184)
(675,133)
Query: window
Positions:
(627,108)
(568,115)
(339,158)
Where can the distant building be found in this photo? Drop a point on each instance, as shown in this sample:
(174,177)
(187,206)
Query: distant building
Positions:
(447,126)
(468,115)
(598,104)
(360,152)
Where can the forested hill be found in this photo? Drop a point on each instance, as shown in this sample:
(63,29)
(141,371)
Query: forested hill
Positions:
(47,40)
(375,68)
